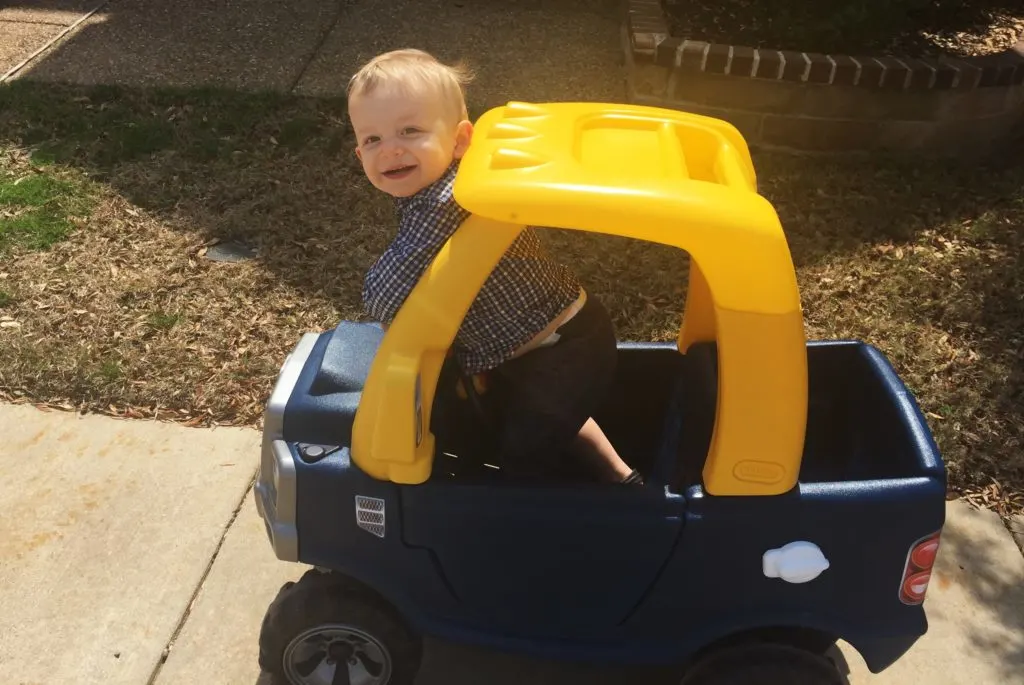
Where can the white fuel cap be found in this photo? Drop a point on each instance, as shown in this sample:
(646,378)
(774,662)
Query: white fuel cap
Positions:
(797,562)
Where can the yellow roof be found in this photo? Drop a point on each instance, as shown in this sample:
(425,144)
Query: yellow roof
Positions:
(641,172)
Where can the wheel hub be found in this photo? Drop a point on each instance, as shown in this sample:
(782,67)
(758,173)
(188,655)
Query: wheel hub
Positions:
(336,654)
(340,651)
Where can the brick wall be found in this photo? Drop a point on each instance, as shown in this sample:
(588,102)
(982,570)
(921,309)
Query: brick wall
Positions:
(816,102)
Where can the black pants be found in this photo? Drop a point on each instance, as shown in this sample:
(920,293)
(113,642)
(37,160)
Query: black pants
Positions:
(547,394)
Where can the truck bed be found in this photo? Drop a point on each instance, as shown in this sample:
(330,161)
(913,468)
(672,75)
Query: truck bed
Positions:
(862,423)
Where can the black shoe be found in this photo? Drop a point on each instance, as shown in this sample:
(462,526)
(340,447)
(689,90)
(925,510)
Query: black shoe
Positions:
(634,478)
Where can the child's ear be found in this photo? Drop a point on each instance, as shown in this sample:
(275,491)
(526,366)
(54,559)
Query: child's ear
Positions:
(359,154)
(463,136)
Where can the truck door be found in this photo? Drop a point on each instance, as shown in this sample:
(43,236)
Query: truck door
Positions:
(561,560)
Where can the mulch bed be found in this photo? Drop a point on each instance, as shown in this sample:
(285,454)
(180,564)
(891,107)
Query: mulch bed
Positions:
(911,28)
(128,317)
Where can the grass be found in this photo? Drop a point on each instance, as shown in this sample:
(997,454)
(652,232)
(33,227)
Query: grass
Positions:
(110,371)
(125,316)
(163,321)
(38,208)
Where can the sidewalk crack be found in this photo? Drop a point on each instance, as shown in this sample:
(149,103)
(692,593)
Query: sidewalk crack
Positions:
(340,6)
(199,586)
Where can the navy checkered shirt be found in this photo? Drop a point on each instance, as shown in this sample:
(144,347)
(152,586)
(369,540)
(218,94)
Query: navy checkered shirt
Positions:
(524,293)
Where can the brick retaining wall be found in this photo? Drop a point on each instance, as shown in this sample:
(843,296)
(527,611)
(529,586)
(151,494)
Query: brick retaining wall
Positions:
(816,102)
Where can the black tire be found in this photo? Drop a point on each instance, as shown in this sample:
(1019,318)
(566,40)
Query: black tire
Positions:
(763,664)
(319,605)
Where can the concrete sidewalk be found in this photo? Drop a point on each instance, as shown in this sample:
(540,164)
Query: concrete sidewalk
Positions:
(27,26)
(126,540)
(240,44)
(519,49)
(108,529)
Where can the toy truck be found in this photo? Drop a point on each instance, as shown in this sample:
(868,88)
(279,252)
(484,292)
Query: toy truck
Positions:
(793,493)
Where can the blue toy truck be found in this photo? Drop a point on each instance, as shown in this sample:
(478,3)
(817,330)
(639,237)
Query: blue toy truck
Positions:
(793,493)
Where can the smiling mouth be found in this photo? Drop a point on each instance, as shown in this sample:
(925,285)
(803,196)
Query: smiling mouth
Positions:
(399,172)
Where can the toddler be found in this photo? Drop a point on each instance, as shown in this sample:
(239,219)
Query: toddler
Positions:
(550,344)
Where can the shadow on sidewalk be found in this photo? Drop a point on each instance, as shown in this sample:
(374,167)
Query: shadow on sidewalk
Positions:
(448,664)
(518,48)
(146,43)
(992,589)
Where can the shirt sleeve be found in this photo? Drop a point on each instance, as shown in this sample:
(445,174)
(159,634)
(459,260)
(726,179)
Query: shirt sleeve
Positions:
(423,230)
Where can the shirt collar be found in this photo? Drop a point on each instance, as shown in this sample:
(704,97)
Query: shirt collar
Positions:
(433,191)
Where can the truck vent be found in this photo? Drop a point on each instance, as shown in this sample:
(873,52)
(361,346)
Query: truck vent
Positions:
(370,514)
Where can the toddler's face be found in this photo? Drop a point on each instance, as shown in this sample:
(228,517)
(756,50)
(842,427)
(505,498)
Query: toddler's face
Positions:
(406,139)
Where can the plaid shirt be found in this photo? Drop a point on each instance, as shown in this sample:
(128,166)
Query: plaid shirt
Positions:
(524,293)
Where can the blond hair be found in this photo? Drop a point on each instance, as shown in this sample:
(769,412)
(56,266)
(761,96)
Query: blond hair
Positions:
(411,68)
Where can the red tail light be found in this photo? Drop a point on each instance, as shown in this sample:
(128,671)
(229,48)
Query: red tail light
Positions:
(918,570)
